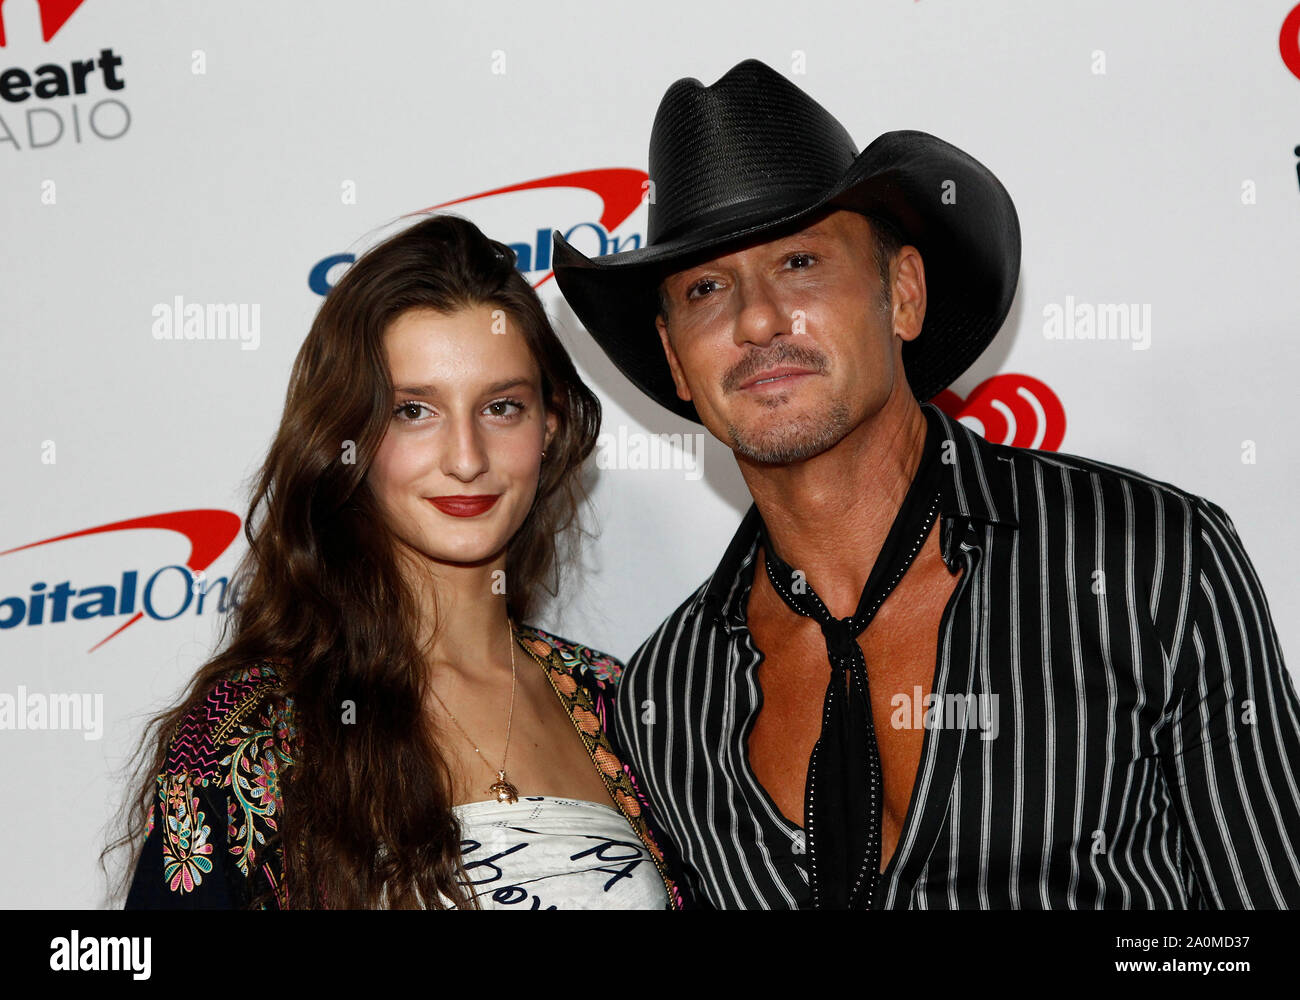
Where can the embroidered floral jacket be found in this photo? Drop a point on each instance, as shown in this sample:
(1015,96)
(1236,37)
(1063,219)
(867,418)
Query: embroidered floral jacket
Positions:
(219,797)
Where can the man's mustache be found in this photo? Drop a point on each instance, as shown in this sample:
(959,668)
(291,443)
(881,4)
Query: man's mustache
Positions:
(782,354)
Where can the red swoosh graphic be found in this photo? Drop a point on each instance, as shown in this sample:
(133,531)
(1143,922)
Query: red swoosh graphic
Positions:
(620,189)
(209,533)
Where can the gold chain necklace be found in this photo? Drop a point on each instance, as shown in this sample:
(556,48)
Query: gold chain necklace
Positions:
(501,788)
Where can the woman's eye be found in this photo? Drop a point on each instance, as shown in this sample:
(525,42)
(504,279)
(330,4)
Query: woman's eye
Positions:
(409,412)
(507,408)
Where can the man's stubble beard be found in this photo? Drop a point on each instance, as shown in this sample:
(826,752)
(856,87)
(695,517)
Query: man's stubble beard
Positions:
(795,441)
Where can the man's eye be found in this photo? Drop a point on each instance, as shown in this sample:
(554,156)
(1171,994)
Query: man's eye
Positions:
(701,288)
(800,260)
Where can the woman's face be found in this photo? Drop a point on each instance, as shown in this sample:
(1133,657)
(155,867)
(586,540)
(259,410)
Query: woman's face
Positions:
(457,471)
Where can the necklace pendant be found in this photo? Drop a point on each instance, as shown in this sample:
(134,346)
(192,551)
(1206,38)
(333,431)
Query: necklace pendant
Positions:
(504,791)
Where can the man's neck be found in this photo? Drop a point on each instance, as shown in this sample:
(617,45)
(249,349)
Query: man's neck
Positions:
(828,516)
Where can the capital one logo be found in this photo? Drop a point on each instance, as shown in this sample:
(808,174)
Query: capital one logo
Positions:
(620,190)
(163,595)
(54,15)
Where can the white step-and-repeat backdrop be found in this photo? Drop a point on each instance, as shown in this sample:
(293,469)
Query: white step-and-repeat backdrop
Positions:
(160,154)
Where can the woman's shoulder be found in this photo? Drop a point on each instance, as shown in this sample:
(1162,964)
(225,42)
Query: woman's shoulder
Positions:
(245,704)
(572,655)
(218,797)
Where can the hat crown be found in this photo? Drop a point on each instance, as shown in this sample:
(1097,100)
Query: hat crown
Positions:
(750,144)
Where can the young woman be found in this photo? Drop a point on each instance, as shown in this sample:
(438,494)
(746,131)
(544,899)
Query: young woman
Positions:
(382,729)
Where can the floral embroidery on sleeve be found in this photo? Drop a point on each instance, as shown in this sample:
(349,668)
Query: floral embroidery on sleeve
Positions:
(238,742)
(186,851)
(252,773)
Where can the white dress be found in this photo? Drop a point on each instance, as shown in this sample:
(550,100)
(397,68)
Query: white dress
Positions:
(545,853)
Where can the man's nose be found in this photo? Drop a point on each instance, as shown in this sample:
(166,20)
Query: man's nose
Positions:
(760,315)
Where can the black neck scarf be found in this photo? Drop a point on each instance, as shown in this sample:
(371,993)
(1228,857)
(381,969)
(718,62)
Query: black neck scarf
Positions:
(844,794)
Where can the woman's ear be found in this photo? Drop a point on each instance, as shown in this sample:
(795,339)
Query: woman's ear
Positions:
(552,425)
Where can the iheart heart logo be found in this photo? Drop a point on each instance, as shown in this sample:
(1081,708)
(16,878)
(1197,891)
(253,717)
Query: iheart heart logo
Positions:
(54,15)
(1009,409)
(1289,40)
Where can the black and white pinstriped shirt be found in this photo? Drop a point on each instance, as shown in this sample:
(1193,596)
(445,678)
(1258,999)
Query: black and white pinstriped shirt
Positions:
(1147,747)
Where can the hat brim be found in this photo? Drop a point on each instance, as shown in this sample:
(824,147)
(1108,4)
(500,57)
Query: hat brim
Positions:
(943,202)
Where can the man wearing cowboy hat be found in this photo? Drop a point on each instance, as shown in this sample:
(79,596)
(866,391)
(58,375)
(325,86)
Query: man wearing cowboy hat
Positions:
(929,671)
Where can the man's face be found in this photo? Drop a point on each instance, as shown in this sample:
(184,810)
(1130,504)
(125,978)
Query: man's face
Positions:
(786,346)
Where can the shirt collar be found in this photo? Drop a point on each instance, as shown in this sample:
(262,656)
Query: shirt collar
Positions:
(980,486)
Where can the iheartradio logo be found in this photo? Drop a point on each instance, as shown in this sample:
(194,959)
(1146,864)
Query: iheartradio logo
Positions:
(1010,409)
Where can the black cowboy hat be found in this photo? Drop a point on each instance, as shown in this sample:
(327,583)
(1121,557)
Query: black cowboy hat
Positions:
(752,156)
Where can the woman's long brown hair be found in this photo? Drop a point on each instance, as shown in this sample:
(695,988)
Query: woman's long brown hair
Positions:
(367,818)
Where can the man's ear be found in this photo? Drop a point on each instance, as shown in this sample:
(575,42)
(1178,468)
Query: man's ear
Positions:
(908,274)
(674,366)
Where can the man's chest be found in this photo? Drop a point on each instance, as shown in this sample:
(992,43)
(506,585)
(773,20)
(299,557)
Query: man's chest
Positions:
(1022,712)
(900,650)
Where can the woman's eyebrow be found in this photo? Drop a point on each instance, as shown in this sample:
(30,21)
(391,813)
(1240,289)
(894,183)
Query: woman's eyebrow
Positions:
(433,390)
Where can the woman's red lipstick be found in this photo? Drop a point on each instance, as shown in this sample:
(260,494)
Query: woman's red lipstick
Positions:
(465,506)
